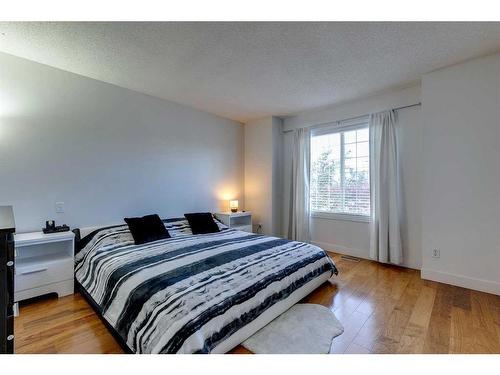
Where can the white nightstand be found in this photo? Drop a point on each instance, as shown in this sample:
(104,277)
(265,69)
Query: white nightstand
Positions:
(44,264)
(236,220)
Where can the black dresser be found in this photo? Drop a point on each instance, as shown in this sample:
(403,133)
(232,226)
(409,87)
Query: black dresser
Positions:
(7,229)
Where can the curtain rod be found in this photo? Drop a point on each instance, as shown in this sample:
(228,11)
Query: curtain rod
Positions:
(352,118)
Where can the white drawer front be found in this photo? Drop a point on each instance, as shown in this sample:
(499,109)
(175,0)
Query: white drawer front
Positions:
(33,276)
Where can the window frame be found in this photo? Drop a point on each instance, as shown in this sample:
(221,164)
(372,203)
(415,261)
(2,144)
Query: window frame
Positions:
(341,127)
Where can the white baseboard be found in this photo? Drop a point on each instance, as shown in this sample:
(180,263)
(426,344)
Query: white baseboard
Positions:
(463,281)
(427,274)
(342,249)
(364,254)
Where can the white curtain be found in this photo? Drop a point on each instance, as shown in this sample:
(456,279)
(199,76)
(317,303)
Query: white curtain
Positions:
(298,223)
(385,239)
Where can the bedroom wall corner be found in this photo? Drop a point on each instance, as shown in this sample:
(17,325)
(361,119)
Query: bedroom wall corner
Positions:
(263,180)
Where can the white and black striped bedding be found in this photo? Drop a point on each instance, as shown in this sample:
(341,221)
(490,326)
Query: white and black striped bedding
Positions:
(189,293)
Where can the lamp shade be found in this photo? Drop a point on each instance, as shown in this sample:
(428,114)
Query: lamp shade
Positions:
(233,205)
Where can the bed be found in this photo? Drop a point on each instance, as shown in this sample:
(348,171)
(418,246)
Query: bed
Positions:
(203,293)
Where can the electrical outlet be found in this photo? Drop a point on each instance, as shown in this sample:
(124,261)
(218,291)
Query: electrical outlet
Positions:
(436,253)
(59,207)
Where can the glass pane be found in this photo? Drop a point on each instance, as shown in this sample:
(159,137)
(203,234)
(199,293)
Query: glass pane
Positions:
(349,166)
(350,136)
(350,150)
(363,149)
(363,135)
(363,164)
(325,172)
(331,190)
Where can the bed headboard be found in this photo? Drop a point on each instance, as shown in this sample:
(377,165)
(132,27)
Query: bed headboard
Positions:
(82,232)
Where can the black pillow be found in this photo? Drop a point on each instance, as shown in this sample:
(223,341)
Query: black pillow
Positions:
(202,222)
(146,229)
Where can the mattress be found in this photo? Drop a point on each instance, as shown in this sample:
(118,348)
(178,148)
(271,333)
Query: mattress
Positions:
(195,293)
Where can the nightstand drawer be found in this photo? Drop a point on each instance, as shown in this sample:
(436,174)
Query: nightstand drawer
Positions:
(35,274)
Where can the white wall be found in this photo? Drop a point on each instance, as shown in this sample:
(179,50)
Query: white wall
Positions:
(107,152)
(350,237)
(461,209)
(263,178)
(277,175)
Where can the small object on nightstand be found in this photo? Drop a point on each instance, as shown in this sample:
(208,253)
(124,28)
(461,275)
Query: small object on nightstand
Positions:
(50,227)
(44,264)
(233,205)
(236,220)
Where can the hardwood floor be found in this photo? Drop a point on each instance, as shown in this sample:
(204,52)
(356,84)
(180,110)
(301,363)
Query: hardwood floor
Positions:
(384,309)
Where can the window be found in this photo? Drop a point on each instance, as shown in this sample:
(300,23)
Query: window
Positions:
(340,172)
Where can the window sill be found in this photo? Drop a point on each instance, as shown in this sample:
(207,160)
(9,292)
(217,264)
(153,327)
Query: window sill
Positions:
(342,217)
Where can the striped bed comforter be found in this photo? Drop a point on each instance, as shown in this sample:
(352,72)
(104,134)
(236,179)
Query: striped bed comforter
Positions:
(188,293)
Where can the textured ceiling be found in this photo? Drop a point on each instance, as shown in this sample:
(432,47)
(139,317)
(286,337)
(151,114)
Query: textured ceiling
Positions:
(249,70)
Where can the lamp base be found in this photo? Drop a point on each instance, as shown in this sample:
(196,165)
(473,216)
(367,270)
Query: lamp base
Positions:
(233,210)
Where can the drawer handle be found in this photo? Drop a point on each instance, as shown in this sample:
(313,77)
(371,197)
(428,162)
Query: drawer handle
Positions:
(33,271)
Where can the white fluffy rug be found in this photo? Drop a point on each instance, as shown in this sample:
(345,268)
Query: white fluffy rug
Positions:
(305,328)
